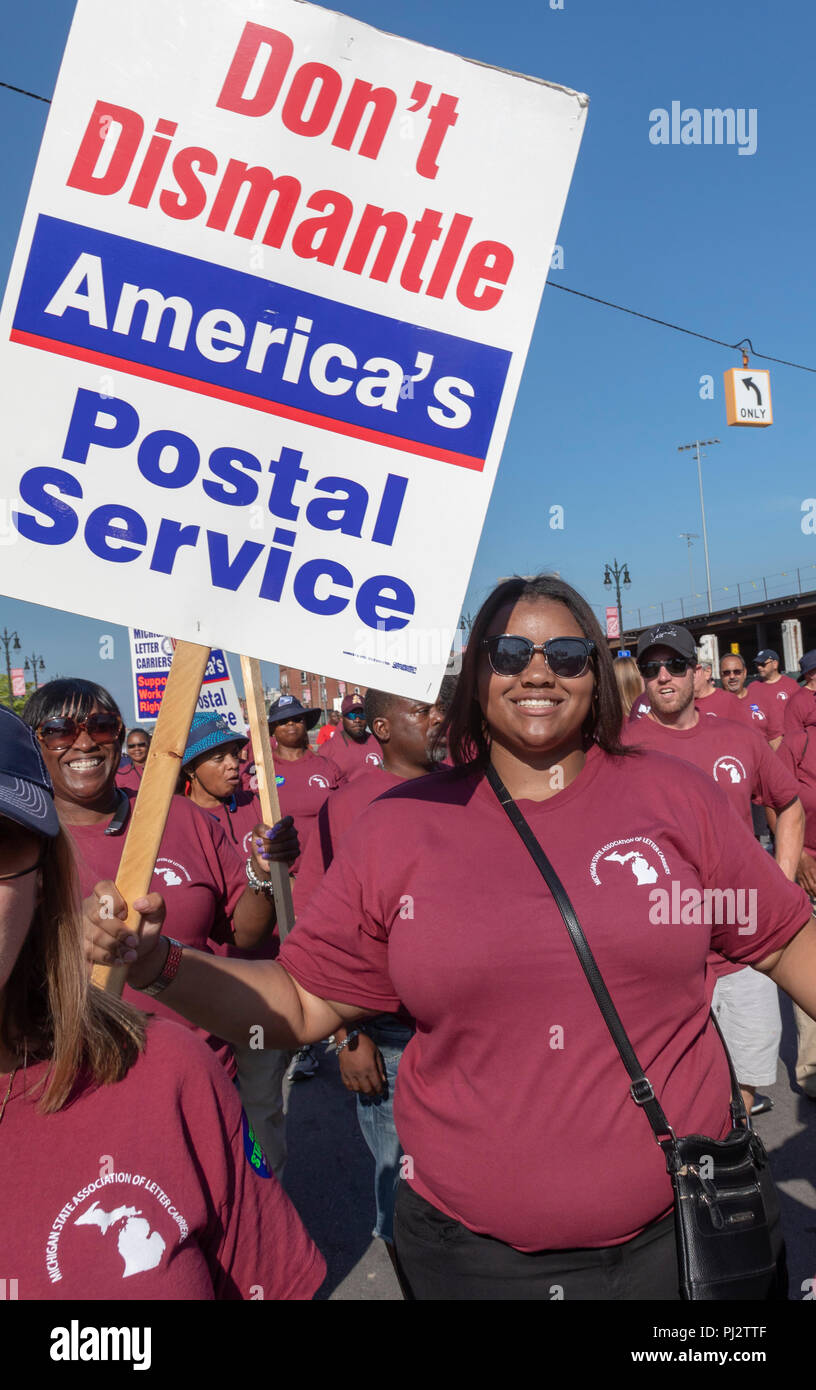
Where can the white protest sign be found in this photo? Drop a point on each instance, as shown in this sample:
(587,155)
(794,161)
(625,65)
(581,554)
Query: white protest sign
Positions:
(150,658)
(265,325)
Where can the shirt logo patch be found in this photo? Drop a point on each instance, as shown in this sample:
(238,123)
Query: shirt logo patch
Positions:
(120,1222)
(318,779)
(279,781)
(729,769)
(171,871)
(373,759)
(141,1249)
(642,868)
(256,1158)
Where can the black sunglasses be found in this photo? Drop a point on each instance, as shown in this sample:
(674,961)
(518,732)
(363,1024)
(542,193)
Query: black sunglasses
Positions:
(565,656)
(675,665)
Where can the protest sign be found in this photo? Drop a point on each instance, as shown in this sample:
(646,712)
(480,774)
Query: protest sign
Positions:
(150,658)
(264,328)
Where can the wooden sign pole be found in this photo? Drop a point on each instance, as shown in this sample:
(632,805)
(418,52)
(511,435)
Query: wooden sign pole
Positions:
(267,786)
(158,784)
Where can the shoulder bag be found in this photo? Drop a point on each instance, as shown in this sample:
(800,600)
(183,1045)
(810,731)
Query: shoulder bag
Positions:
(726,1209)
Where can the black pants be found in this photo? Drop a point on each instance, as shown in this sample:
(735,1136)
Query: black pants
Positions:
(442,1259)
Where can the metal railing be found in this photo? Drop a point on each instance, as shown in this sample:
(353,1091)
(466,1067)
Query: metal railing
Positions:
(743,593)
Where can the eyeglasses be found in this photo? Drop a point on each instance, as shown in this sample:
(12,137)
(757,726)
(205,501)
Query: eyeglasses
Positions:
(675,665)
(355,714)
(731,671)
(55,734)
(565,656)
(17,847)
(131,746)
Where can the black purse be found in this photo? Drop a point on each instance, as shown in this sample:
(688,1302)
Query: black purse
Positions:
(726,1209)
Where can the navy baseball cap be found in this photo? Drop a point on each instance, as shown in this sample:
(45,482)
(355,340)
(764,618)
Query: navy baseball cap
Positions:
(765,655)
(26,793)
(288,707)
(807,663)
(209,731)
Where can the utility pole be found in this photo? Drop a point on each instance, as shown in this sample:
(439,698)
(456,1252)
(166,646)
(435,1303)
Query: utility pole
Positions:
(698,444)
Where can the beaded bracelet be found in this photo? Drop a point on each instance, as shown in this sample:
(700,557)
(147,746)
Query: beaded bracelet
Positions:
(258,885)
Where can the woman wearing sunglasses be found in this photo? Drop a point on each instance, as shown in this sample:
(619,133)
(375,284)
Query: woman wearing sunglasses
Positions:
(79,730)
(531,1172)
(180,1208)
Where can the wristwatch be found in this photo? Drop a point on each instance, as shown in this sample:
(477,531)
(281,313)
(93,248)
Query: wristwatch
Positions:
(168,971)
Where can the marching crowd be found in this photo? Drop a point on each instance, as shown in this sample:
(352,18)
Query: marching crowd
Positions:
(509,1156)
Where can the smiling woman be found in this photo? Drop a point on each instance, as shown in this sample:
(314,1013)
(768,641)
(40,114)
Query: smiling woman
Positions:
(530,1165)
(80,732)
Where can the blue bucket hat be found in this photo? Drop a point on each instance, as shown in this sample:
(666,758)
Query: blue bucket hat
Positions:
(26,793)
(209,731)
(287,707)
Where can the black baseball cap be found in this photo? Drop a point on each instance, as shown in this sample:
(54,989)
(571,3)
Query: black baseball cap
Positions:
(765,655)
(679,639)
(26,793)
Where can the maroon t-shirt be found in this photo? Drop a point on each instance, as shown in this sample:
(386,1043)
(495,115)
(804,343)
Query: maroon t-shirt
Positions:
(130,776)
(798,710)
(746,711)
(737,758)
(718,702)
(772,700)
(512,1099)
(337,814)
(198,873)
(150,1189)
(797,752)
(303,785)
(350,756)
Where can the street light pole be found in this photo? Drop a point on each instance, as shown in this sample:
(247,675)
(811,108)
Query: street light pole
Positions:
(6,638)
(617,573)
(698,443)
(34,658)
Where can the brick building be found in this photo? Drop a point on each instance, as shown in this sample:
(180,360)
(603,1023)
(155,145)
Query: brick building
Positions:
(323,692)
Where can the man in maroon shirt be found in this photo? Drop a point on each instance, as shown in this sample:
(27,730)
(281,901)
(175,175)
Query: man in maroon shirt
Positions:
(352,747)
(798,707)
(708,697)
(771,692)
(734,674)
(743,765)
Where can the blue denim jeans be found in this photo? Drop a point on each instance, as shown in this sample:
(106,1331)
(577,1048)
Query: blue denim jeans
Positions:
(376,1118)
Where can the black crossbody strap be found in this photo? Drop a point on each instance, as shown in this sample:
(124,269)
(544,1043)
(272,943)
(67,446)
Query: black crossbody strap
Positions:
(641,1089)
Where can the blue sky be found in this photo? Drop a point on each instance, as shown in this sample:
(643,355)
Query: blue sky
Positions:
(699,235)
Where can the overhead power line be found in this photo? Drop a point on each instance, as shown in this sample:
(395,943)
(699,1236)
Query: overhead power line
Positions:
(24,93)
(621,308)
(607,303)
